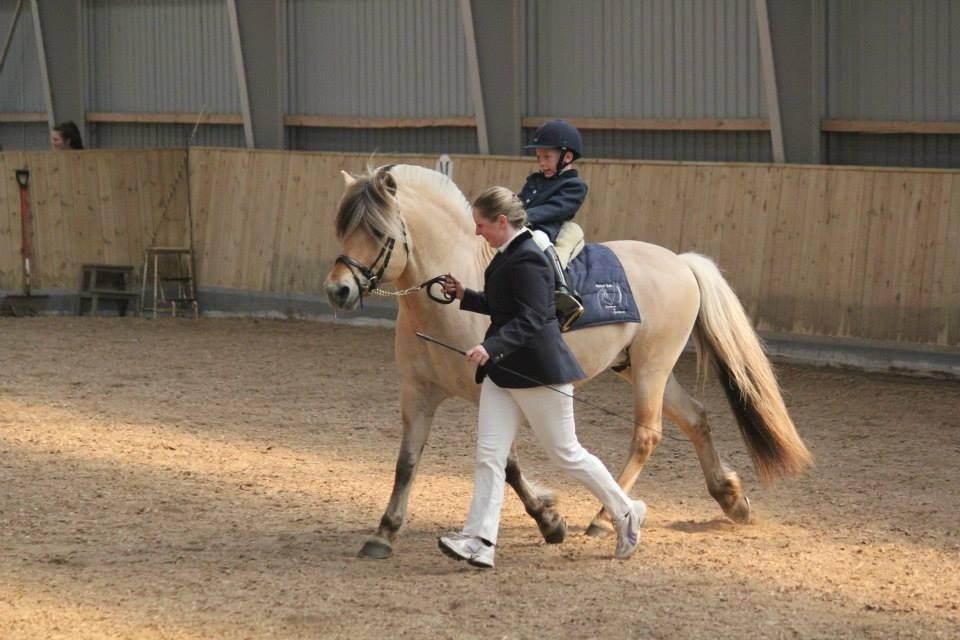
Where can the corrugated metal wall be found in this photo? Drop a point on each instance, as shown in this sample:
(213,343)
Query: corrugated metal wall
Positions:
(893,60)
(859,149)
(425,140)
(21,88)
(701,146)
(648,59)
(884,59)
(378,58)
(32,136)
(144,136)
(159,56)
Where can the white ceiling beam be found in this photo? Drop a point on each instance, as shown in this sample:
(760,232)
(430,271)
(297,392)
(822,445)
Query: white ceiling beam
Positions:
(770,80)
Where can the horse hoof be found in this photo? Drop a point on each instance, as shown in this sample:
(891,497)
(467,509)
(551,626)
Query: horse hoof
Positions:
(555,534)
(596,531)
(376,549)
(740,512)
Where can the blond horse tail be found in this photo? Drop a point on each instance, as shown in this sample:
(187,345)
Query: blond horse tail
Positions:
(723,334)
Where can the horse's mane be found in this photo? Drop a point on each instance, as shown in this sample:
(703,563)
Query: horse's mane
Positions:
(422,176)
(368,203)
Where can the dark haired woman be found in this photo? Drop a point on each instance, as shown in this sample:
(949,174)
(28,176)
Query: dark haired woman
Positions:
(66,135)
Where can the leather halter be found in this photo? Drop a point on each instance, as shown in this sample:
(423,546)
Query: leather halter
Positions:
(373,279)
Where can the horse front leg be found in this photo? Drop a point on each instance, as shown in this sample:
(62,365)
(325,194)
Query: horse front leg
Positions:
(418,403)
(540,505)
(647,433)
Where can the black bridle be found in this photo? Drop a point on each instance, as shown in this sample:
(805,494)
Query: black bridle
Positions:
(373,279)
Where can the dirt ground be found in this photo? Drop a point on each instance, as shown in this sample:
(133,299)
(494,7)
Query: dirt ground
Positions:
(216,478)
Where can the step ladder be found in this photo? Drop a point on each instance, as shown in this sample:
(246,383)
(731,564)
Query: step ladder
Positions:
(169,273)
(113,283)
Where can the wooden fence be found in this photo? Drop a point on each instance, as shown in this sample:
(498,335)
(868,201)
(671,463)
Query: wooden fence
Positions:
(89,207)
(833,251)
(830,251)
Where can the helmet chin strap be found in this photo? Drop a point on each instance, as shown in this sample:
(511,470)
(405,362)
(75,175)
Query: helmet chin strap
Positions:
(562,163)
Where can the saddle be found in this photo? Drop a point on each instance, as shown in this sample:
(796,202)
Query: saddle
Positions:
(597,276)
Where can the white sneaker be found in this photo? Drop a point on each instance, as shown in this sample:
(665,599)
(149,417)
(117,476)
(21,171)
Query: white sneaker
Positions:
(460,546)
(628,530)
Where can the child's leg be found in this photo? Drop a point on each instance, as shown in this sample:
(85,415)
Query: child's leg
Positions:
(542,239)
(570,242)
(568,303)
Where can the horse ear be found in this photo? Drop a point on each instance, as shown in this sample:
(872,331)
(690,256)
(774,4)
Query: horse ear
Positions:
(347,178)
(390,183)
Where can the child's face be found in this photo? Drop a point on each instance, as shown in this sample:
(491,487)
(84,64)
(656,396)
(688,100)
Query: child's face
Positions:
(548,159)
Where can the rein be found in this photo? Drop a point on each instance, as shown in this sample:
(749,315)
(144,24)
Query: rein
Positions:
(444,297)
(386,252)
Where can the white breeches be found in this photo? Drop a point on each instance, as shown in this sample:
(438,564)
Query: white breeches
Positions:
(551,419)
(569,242)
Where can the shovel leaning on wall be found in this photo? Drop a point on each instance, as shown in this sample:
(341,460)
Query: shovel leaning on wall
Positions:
(27,304)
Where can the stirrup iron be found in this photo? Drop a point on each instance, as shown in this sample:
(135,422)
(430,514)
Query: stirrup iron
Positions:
(569,308)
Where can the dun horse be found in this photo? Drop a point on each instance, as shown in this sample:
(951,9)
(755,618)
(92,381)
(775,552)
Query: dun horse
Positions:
(406,224)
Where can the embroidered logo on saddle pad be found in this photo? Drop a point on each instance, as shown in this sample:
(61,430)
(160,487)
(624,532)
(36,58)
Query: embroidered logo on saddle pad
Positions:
(600,280)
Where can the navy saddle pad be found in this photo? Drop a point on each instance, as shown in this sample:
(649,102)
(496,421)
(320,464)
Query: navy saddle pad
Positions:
(600,280)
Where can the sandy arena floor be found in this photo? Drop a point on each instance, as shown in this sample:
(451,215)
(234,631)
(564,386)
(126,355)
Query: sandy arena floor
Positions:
(215,479)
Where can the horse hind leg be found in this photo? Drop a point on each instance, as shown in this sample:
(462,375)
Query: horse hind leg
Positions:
(540,505)
(418,403)
(722,482)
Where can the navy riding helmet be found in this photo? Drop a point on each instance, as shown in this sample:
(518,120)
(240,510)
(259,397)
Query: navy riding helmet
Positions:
(557,134)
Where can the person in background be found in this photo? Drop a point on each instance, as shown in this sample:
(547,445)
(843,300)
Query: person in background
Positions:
(523,363)
(66,135)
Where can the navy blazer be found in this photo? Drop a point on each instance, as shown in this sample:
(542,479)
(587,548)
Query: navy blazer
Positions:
(524,335)
(552,201)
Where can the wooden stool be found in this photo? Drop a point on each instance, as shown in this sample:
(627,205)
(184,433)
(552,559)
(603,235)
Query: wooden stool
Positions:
(178,276)
(106,283)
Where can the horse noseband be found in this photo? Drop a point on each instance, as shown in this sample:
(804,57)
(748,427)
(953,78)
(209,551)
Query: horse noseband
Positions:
(367,272)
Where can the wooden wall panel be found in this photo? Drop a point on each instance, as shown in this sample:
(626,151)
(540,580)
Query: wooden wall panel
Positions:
(761,198)
(832,251)
(90,206)
(947,278)
(264,221)
(11,272)
(842,245)
(813,250)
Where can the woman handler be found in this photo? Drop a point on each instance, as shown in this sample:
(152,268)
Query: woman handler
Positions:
(524,338)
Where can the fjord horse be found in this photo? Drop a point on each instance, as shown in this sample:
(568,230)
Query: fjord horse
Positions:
(405,224)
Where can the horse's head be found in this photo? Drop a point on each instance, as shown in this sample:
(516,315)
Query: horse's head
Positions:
(375,247)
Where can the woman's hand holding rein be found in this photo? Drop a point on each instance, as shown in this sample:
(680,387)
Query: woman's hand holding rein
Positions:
(452,287)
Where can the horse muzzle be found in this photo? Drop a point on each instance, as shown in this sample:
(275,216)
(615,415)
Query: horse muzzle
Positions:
(342,293)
